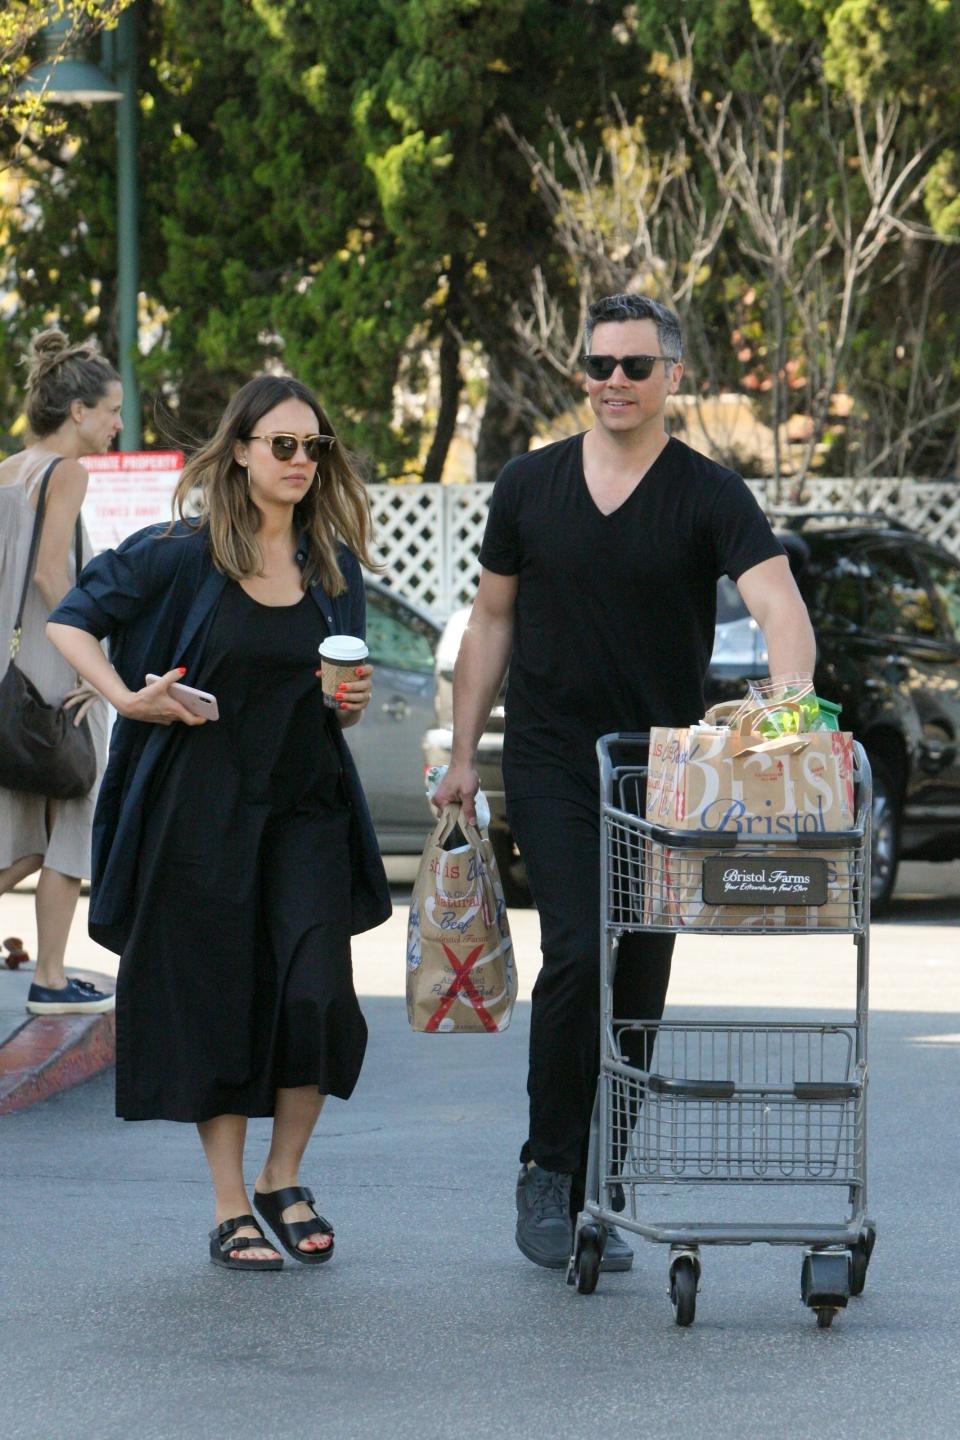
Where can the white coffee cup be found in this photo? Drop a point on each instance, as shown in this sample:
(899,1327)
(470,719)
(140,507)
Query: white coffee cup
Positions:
(339,657)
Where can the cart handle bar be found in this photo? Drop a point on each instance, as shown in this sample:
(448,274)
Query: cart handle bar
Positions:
(819,1090)
(735,839)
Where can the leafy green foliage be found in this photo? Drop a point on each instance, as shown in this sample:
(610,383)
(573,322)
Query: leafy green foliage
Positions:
(314,173)
(325,185)
(22,26)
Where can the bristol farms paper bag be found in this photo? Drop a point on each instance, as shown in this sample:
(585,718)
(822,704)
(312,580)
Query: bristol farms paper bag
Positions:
(460,970)
(710,778)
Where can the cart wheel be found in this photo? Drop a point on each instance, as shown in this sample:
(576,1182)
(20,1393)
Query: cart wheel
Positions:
(683,1290)
(584,1269)
(860,1258)
(858,1268)
(588,1271)
(825,1283)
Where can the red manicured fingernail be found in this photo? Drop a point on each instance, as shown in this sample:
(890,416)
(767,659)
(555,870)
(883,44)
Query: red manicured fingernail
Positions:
(182,670)
(359,671)
(344,707)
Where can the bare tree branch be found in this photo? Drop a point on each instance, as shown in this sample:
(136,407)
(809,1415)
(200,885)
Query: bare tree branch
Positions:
(814,254)
(626,222)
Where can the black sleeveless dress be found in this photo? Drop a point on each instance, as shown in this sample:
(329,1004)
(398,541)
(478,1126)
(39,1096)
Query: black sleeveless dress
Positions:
(237,978)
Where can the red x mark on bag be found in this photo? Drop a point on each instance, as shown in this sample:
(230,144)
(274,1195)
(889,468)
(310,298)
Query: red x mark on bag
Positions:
(462,983)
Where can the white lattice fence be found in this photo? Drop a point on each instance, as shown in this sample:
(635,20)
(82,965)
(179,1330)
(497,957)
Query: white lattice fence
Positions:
(429,535)
(409,529)
(932,507)
(466,516)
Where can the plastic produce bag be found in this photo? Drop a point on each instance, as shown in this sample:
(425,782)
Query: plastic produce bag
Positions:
(788,705)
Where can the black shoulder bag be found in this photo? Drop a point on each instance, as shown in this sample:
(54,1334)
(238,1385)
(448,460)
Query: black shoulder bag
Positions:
(41,750)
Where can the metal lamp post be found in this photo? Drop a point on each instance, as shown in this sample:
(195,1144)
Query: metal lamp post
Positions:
(66,79)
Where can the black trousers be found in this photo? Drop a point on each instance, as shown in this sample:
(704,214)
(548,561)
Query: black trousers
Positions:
(559,840)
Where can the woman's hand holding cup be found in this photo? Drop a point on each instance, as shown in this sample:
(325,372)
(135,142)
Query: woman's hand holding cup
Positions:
(355,694)
(345,675)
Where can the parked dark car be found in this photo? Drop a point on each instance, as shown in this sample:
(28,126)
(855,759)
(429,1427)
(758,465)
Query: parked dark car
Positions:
(388,743)
(885,606)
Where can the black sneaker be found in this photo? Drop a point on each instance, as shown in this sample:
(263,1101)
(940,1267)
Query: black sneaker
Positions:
(544,1230)
(77,997)
(617,1254)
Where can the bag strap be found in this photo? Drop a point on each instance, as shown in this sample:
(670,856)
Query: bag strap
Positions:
(451,816)
(722,709)
(34,550)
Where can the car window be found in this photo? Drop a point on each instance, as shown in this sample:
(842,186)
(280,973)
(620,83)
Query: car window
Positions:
(397,636)
(896,600)
(730,604)
(836,592)
(945,579)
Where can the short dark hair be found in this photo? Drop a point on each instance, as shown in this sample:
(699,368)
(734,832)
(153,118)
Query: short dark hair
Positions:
(59,373)
(618,308)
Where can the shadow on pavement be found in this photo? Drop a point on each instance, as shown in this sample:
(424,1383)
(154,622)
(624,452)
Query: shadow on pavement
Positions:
(922,910)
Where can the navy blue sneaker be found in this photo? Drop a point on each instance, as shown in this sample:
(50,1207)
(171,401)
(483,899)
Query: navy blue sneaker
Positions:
(78,997)
(544,1231)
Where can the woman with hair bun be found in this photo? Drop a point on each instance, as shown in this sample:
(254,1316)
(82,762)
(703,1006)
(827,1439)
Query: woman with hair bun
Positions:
(73,399)
(236,857)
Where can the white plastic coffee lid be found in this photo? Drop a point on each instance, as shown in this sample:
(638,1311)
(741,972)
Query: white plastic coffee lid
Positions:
(343,648)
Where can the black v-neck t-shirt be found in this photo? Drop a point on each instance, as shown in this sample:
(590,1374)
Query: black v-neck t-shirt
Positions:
(615,614)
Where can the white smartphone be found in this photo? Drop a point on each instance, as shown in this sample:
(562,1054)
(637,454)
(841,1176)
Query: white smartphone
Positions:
(198,702)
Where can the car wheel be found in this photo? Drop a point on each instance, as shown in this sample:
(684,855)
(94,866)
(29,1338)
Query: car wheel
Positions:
(885,847)
(513,874)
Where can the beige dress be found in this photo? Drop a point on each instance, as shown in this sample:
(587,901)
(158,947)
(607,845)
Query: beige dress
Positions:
(23,818)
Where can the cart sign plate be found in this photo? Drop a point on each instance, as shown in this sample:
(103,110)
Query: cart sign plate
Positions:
(759,881)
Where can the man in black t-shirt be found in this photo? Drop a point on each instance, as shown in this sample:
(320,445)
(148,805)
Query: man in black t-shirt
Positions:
(598,588)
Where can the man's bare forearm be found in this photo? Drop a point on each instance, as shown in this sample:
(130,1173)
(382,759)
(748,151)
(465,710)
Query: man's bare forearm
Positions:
(791,646)
(477,677)
(770,594)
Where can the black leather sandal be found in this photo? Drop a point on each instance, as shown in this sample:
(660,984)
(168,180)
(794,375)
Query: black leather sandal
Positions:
(271,1206)
(224,1239)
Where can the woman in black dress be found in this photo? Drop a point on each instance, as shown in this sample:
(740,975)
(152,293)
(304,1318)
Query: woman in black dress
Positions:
(234,859)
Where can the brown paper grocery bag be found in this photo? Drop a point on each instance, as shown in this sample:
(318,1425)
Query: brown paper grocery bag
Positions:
(740,782)
(460,969)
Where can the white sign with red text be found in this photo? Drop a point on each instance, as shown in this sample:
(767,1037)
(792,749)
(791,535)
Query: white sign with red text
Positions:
(128,489)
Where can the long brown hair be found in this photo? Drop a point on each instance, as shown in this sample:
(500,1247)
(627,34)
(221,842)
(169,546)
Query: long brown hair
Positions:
(334,508)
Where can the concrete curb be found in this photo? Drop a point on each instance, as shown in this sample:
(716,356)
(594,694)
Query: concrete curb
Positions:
(50,1053)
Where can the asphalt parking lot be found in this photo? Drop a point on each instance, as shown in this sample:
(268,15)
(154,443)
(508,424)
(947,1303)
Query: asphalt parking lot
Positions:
(430,1322)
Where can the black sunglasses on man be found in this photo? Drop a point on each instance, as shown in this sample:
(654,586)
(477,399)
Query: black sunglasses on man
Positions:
(635,367)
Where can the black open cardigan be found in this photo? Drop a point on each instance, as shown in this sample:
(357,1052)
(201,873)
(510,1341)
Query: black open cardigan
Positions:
(153,598)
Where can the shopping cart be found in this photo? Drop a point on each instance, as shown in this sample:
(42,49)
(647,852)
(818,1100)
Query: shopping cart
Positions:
(707,1102)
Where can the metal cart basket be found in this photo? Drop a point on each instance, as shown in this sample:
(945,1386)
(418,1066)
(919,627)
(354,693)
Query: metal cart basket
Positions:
(754,1103)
